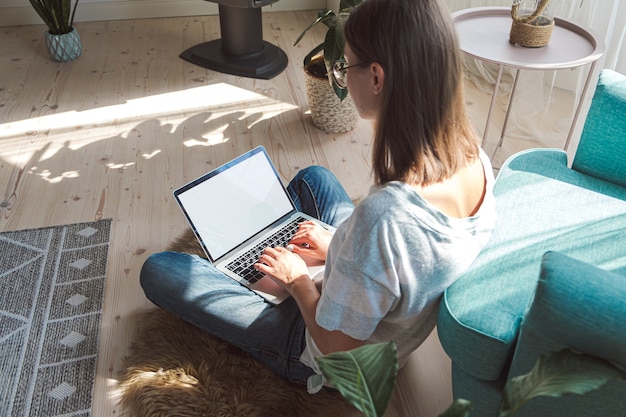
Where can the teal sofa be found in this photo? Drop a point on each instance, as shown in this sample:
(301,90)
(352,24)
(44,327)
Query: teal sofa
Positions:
(553,274)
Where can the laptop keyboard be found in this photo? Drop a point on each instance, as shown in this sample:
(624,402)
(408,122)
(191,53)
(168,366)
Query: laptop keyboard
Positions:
(243,265)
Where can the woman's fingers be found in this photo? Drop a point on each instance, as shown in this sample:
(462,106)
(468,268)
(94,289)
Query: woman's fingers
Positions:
(271,253)
(304,236)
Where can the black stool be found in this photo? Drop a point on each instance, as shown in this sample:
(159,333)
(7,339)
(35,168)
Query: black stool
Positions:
(241,50)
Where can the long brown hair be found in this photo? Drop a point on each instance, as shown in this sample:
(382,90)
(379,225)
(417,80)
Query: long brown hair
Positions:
(422,132)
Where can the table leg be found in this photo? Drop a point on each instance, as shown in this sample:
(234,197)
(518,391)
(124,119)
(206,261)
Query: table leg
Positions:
(494,97)
(580,104)
(506,117)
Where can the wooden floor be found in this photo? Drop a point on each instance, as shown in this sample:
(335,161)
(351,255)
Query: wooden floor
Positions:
(111,134)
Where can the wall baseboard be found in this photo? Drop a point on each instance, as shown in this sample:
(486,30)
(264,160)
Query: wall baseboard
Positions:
(142,9)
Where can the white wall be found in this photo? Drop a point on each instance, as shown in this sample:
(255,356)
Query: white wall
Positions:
(19,12)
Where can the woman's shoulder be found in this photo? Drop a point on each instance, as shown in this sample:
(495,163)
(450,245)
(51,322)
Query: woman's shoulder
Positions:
(385,196)
(386,202)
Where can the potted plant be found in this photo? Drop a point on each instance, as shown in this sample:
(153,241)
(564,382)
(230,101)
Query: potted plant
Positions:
(62,38)
(332,110)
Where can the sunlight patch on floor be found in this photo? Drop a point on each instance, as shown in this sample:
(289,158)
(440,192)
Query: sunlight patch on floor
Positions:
(200,116)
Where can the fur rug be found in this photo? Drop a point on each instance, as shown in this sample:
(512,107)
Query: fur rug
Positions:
(187,243)
(176,369)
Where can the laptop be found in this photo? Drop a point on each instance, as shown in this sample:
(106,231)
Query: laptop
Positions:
(236,211)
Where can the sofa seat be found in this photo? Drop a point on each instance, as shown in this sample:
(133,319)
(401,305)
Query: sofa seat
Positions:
(542,206)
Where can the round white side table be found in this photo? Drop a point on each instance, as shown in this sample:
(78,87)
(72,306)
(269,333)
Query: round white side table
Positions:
(483,33)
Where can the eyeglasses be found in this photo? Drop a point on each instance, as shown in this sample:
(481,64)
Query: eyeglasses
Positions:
(339,72)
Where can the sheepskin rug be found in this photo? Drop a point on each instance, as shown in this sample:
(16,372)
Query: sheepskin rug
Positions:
(176,369)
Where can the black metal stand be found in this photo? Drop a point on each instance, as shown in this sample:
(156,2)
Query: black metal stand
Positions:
(241,50)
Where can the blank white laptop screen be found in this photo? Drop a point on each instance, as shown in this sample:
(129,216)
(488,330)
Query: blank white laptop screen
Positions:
(236,203)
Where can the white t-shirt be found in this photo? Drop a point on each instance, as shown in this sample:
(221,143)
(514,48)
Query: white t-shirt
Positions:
(389,263)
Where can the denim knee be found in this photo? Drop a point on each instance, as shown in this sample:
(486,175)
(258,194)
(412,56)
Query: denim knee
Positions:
(315,173)
(159,273)
(147,275)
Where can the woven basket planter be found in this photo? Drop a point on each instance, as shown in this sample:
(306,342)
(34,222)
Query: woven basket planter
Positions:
(329,114)
(532,31)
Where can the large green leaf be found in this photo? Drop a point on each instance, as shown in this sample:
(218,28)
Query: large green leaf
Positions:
(334,43)
(365,376)
(459,408)
(555,374)
(333,51)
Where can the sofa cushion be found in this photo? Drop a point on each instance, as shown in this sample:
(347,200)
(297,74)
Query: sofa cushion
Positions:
(542,206)
(602,148)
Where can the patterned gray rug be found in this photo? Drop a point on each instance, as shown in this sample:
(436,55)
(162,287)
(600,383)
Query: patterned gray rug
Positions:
(51,292)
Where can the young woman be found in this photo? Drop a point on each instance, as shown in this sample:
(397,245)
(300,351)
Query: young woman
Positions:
(427,216)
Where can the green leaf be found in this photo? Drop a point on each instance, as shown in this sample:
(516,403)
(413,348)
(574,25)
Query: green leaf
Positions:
(341,93)
(323,16)
(334,43)
(329,19)
(555,374)
(365,376)
(459,408)
(58,15)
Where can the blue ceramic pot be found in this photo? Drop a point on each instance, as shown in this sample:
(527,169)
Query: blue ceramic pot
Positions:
(63,48)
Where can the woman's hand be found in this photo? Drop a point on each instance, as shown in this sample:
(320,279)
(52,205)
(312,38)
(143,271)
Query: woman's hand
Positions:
(311,240)
(282,266)
(290,272)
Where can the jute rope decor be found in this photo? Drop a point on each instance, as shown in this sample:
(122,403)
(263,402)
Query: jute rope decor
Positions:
(532,31)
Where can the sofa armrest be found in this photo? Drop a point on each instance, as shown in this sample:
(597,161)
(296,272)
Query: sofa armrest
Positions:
(581,307)
(601,152)
(578,306)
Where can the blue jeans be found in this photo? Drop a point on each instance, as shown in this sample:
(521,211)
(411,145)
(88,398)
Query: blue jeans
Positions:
(193,289)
